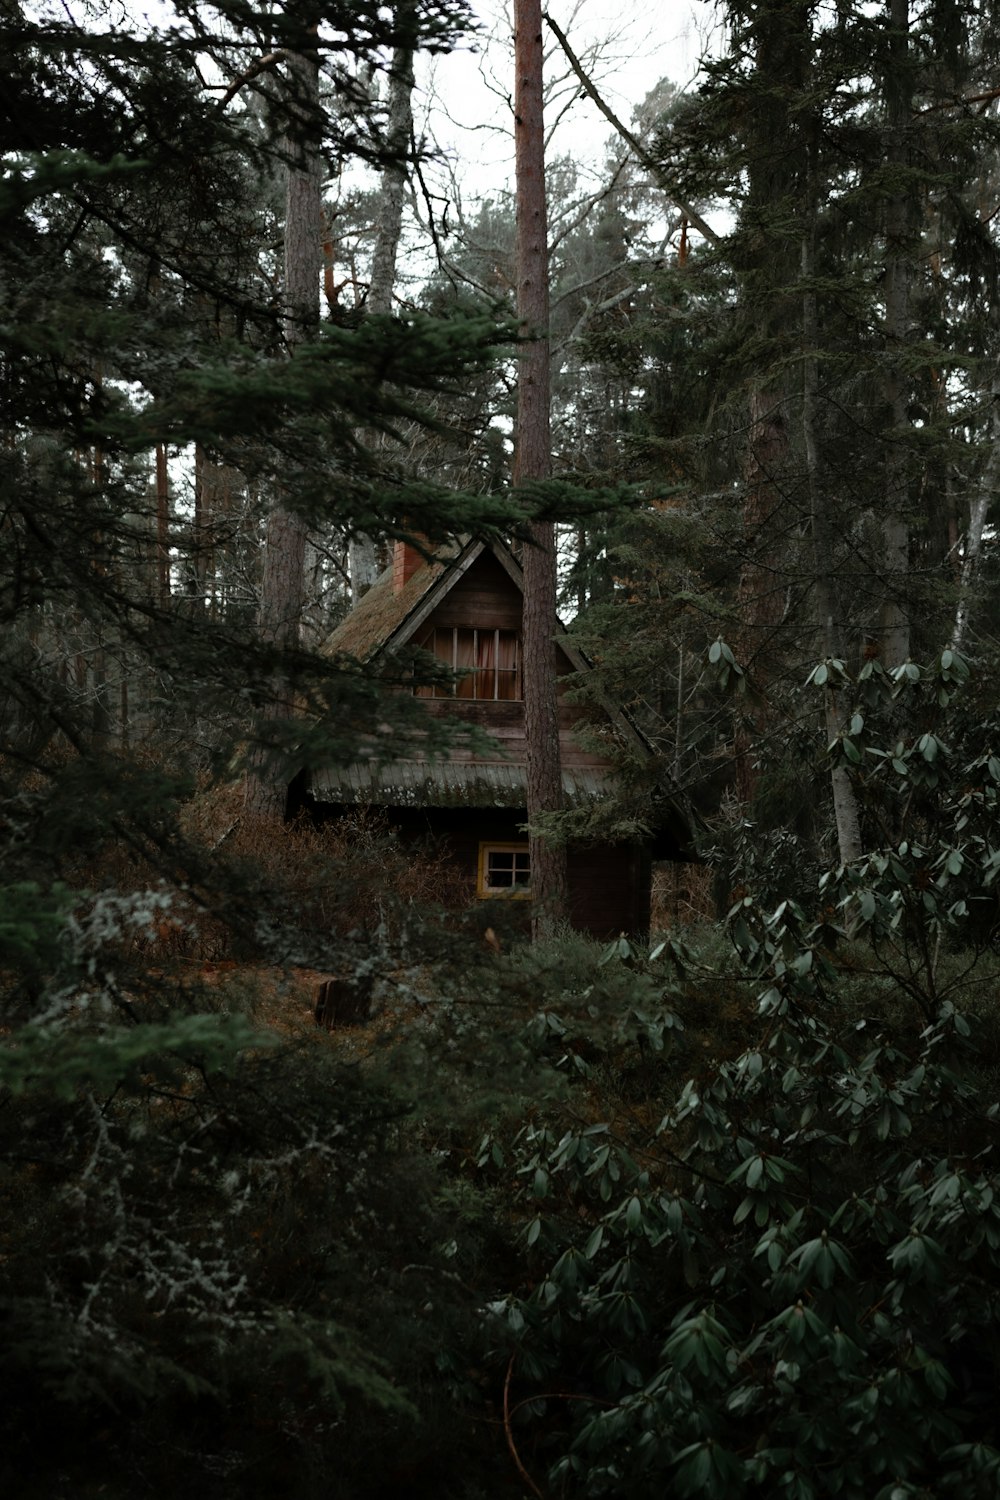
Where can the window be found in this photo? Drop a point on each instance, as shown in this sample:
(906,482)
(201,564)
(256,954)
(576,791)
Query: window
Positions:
(488,661)
(504,870)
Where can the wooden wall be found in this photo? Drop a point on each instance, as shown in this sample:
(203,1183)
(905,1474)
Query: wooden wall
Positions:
(485,598)
(610,884)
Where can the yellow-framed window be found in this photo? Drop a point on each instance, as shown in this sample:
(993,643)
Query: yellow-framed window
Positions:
(504,870)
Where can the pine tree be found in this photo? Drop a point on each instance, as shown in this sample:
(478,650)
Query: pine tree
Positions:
(532,461)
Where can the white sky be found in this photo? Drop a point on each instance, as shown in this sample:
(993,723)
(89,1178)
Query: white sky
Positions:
(627,48)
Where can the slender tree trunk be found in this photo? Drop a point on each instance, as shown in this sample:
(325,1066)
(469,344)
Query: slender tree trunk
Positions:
(982,501)
(778,38)
(389,214)
(894,617)
(845,804)
(162,528)
(761,589)
(199,551)
(283,580)
(532,450)
(388,230)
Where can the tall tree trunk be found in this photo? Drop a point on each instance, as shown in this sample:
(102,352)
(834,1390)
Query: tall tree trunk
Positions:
(532,450)
(389,212)
(894,616)
(282,583)
(761,591)
(988,487)
(162,528)
(388,230)
(845,804)
(778,38)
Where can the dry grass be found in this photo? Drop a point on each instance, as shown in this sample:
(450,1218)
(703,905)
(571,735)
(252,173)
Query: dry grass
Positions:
(682,896)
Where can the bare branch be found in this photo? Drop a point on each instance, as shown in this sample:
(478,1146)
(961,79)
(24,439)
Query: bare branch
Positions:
(270,60)
(642,155)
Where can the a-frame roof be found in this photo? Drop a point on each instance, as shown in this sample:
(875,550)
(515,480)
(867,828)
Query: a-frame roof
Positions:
(386,619)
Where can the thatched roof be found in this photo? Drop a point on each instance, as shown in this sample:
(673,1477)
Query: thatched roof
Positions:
(378,616)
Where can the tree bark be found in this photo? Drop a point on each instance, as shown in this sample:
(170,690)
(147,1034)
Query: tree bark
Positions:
(283,581)
(761,590)
(388,231)
(894,615)
(532,460)
(979,510)
(845,803)
(162,528)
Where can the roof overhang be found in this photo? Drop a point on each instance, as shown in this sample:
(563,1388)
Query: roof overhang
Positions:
(446,784)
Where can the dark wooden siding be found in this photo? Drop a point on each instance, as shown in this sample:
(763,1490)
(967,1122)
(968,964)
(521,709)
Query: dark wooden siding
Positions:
(610,884)
(483,598)
(505,722)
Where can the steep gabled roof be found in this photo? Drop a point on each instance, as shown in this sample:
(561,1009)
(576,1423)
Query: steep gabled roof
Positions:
(387,617)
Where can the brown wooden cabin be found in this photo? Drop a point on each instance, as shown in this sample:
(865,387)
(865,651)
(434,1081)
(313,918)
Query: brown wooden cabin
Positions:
(465,608)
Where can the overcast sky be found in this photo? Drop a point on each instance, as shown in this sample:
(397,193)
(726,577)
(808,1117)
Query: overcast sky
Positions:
(629,46)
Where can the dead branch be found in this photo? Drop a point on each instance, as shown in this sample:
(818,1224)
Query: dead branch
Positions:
(255,69)
(526,1477)
(636,145)
(965,99)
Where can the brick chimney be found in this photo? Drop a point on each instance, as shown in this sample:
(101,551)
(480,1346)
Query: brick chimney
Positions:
(405,562)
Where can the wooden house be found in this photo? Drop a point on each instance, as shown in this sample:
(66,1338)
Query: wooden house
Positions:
(464,607)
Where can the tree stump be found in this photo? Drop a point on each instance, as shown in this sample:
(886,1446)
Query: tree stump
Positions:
(344,1001)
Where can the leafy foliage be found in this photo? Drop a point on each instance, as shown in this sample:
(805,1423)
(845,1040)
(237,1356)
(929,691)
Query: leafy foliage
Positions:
(786,1287)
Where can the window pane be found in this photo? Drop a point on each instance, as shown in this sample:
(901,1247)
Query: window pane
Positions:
(486,662)
(507,869)
(508,665)
(465,657)
(489,659)
(438,643)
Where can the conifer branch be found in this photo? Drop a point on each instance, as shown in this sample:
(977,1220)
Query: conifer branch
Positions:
(983,98)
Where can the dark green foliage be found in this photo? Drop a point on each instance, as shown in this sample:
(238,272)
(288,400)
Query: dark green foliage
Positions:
(786,1284)
(728,1224)
(225,1256)
(239,1267)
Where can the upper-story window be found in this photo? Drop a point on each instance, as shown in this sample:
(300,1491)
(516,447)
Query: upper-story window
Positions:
(489,662)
